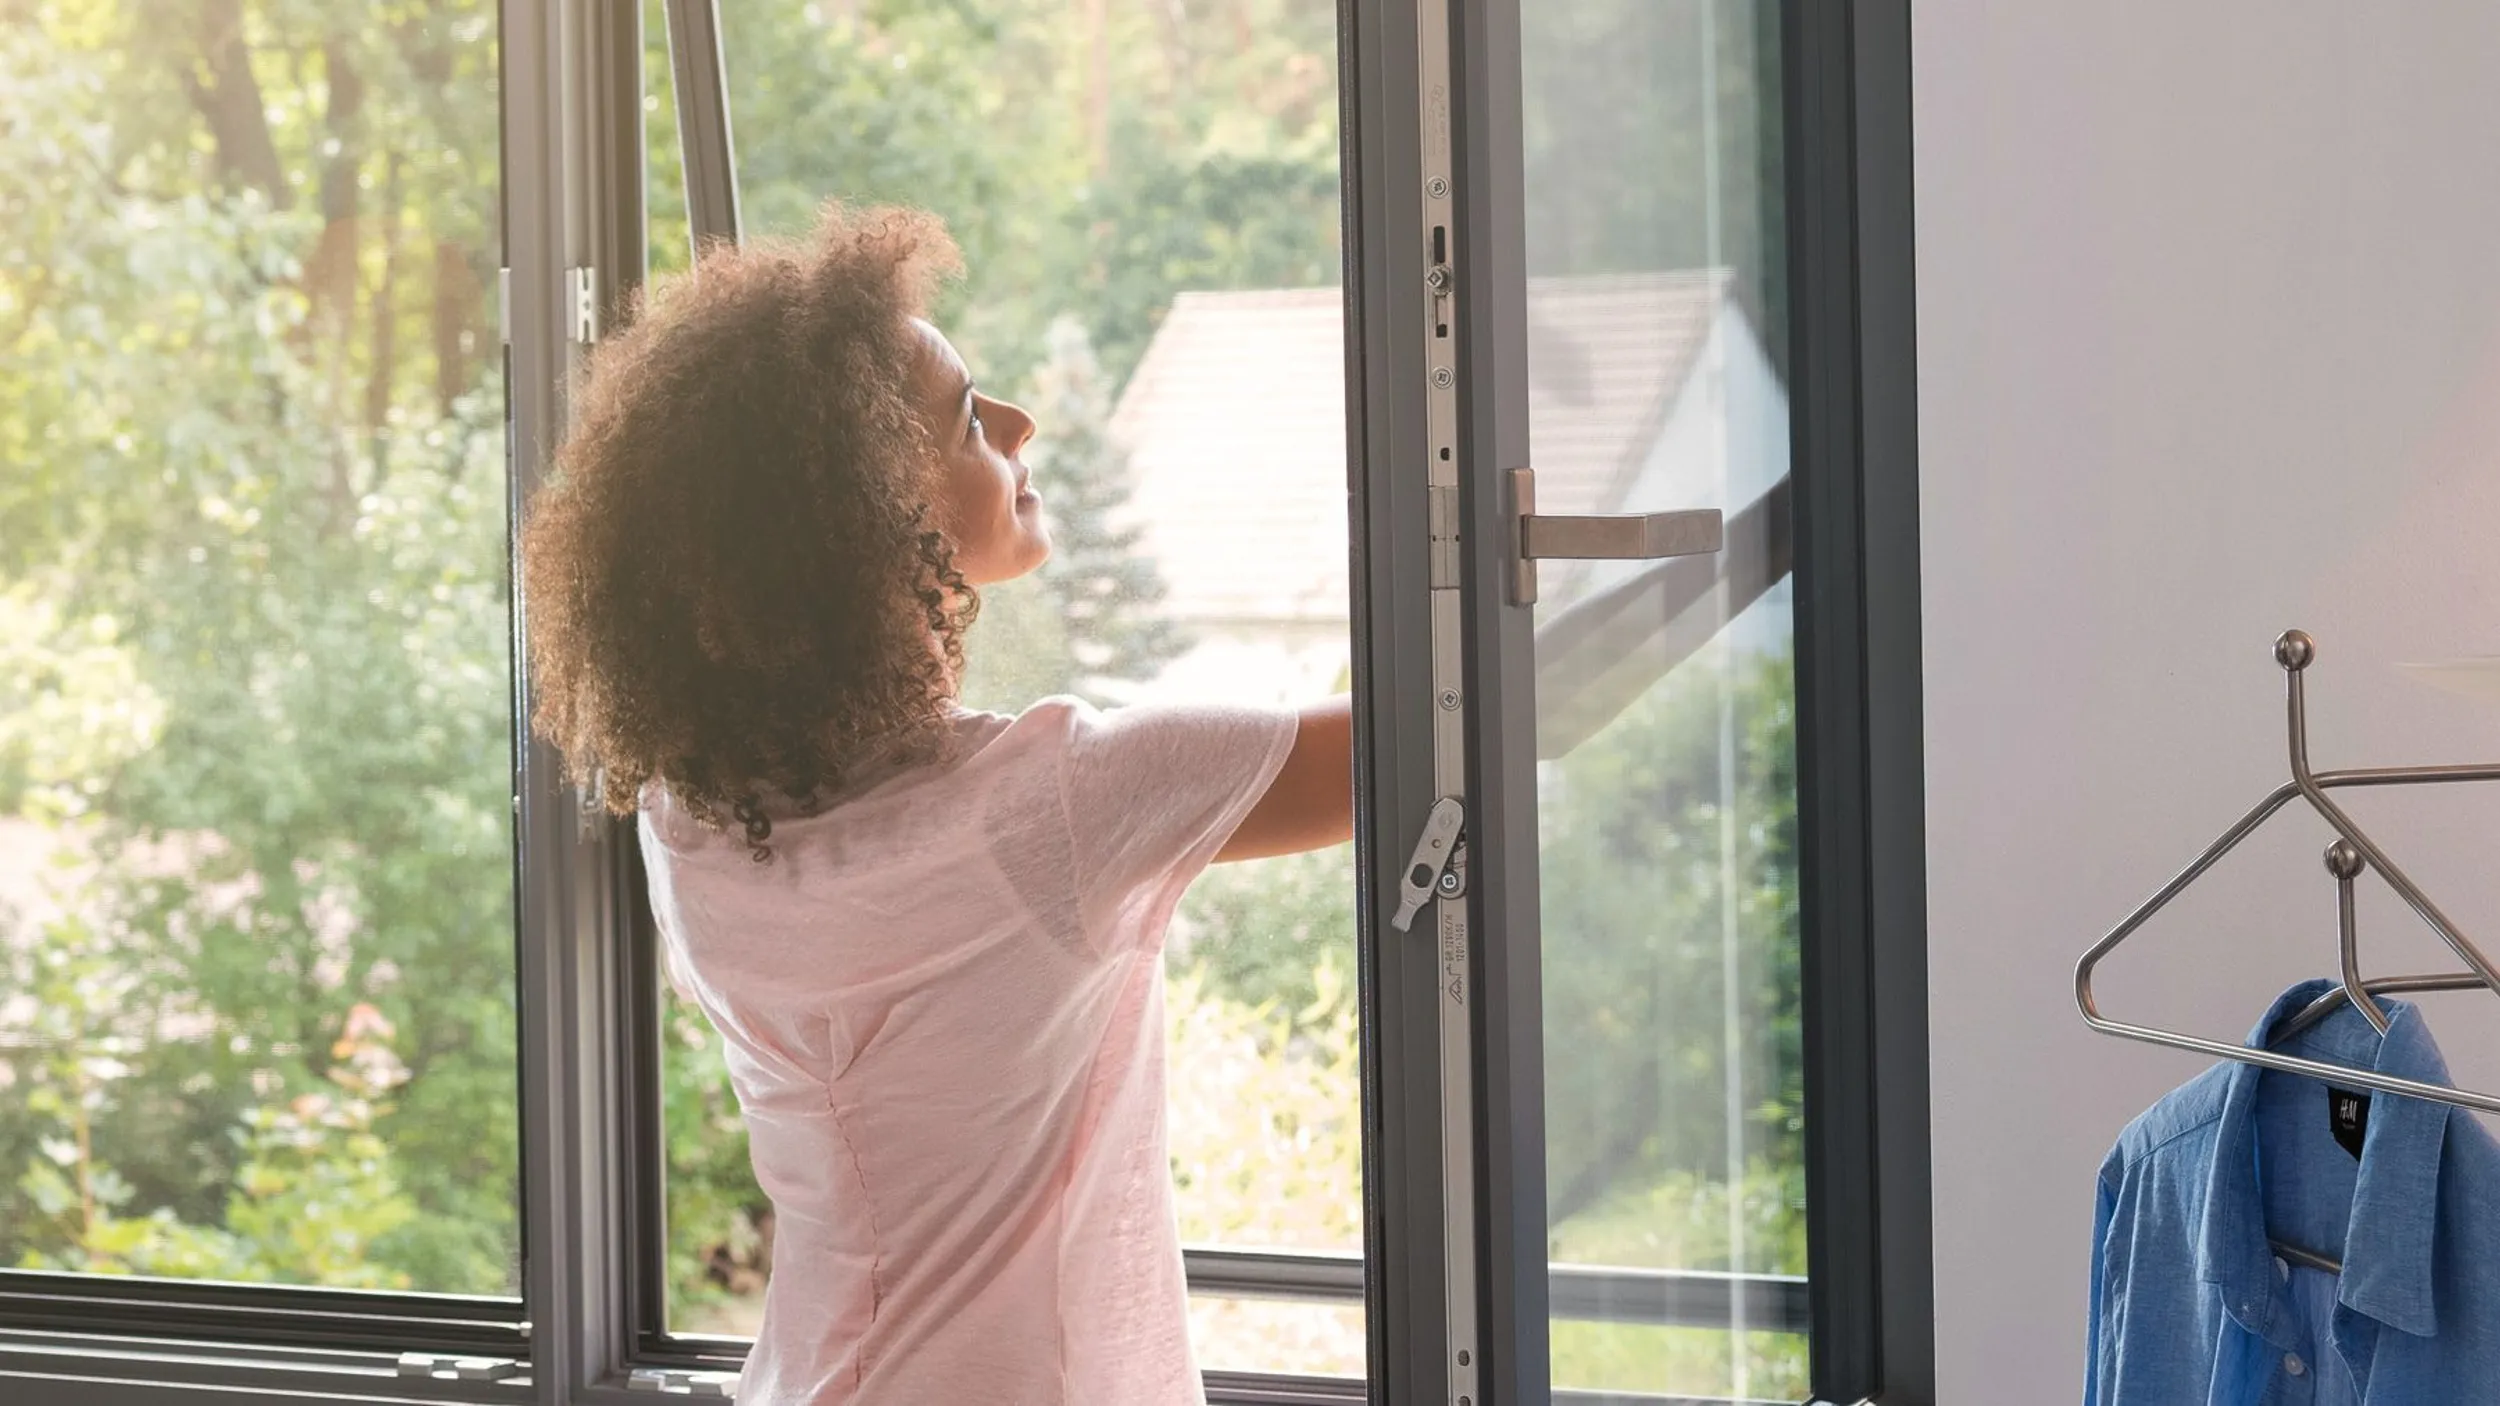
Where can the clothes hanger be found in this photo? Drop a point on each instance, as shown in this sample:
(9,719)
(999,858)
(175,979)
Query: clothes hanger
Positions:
(2354,851)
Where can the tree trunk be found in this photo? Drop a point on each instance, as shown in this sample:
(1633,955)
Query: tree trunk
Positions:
(1098,87)
(385,365)
(330,271)
(223,89)
(455,311)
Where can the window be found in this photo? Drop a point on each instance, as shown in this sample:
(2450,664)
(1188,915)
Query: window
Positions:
(334,1057)
(256,919)
(1672,986)
(1666,775)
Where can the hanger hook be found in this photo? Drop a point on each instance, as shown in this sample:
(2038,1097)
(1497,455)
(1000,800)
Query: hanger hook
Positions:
(2344,861)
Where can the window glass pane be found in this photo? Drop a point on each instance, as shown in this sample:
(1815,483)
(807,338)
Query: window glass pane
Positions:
(1665,699)
(1636,1357)
(664,159)
(1305,1338)
(1147,199)
(256,942)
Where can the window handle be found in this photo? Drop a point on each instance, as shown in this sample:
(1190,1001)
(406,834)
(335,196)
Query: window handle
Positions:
(1610,536)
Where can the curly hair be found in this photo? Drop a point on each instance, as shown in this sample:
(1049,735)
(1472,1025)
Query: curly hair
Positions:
(732,580)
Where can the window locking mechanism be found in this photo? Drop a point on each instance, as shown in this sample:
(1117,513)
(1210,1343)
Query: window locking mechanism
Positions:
(1438,868)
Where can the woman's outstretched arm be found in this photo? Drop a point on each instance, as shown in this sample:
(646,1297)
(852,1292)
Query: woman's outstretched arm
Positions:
(1310,804)
(1592,660)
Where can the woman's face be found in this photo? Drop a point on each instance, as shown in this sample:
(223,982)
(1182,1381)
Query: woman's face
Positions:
(984,498)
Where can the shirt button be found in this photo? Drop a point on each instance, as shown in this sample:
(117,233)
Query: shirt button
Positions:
(2293,1364)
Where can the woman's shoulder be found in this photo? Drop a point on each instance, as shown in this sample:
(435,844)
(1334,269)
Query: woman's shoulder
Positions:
(969,741)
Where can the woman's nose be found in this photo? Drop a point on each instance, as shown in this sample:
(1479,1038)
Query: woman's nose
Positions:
(1019,427)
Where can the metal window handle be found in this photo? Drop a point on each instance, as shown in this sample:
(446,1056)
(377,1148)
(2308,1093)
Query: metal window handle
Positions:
(1613,536)
(1695,532)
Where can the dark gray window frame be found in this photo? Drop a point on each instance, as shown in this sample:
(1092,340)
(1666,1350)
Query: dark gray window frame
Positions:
(1845,114)
(1861,739)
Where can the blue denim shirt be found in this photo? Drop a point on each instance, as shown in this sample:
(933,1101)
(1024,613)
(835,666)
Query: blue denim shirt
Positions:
(2192,1307)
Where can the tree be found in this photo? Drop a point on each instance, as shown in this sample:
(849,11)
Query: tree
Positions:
(1617,117)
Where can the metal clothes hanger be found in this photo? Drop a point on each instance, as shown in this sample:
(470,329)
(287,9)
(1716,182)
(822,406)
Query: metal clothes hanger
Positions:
(2346,858)
(2352,853)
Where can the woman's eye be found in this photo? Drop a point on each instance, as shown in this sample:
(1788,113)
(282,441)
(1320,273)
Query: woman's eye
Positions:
(973,431)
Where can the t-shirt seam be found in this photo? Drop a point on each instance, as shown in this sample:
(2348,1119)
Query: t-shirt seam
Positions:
(876,1241)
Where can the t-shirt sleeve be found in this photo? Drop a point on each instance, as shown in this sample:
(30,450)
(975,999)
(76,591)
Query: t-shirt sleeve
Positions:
(1152,791)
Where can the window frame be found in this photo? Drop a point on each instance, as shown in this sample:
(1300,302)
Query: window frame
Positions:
(1861,762)
(1844,105)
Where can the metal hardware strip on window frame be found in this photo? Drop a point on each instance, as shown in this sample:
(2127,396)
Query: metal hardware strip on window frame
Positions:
(1453,977)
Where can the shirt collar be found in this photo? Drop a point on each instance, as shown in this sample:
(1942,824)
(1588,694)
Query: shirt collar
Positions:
(2387,1246)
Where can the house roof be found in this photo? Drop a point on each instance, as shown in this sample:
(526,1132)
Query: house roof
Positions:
(1235,427)
(1606,356)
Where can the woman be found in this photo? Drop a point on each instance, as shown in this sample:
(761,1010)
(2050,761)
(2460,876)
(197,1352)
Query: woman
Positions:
(930,937)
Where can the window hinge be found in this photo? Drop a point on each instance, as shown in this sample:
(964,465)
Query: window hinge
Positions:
(581,291)
(671,1382)
(1438,868)
(457,1369)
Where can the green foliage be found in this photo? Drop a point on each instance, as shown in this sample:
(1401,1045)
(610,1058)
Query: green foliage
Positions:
(1085,624)
(718,1219)
(1266,1131)
(1200,152)
(1637,912)
(1172,220)
(314,1195)
(1268,932)
(1638,1357)
(1102,593)
(1629,108)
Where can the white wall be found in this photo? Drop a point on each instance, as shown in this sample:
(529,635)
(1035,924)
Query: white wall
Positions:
(2209,345)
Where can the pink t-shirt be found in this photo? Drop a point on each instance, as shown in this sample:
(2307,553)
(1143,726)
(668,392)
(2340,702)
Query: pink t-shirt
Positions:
(942,1005)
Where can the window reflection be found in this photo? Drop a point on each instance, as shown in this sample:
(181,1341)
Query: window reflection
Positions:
(1667,791)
